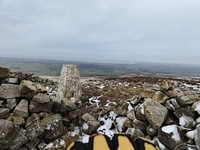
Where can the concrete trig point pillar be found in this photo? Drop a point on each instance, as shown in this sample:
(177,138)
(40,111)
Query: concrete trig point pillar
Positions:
(69,83)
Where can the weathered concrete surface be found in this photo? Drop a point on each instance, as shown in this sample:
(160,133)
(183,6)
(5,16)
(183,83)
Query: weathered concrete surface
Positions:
(69,83)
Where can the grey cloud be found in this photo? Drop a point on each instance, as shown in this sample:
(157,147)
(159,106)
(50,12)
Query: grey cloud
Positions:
(106,30)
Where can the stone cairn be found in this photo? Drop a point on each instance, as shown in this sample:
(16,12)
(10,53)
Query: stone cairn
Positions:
(32,116)
(36,113)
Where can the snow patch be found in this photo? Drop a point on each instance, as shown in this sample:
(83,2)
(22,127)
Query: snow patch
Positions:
(185,120)
(129,107)
(172,129)
(112,115)
(106,127)
(109,102)
(94,100)
(191,134)
(85,126)
(156,141)
(119,123)
(85,138)
(49,145)
(75,132)
(101,86)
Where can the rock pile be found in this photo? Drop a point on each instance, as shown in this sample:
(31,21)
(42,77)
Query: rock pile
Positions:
(168,113)
(31,116)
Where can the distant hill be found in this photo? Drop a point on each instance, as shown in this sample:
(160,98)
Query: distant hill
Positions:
(53,68)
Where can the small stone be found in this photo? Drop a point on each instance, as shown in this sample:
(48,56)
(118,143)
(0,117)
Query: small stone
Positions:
(19,140)
(11,103)
(58,144)
(155,113)
(184,111)
(187,100)
(21,109)
(27,88)
(40,88)
(186,121)
(135,100)
(171,120)
(4,113)
(139,112)
(141,125)
(151,131)
(13,80)
(41,98)
(196,107)
(56,104)
(53,126)
(41,146)
(67,106)
(171,93)
(18,121)
(172,104)
(121,108)
(7,133)
(4,73)
(160,97)
(33,144)
(186,147)
(170,136)
(127,123)
(159,144)
(131,114)
(91,122)
(35,107)
(148,93)
(9,91)
(33,127)
(164,86)
(135,133)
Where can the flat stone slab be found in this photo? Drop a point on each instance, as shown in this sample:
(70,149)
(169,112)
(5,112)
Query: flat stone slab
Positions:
(8,91)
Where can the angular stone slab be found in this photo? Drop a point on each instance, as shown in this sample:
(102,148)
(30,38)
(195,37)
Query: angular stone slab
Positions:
(8,133)
(160,97)
(187,100)
(4,113)
(56,104)
(21,109)
(27,88)
(33,127)
(169,136)
(19,140)
(41,98)
(35,107)
(155,113)
(8,91)
(90,125)
(53,126)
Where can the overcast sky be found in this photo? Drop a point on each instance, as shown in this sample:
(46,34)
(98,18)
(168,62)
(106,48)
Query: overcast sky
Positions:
(101,30)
